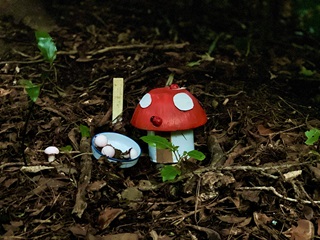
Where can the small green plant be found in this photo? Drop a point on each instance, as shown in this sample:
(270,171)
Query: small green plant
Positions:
(33,90)
(170,172)
(85,131)
(312,135)
(207,56)
(46,46)
(48,50)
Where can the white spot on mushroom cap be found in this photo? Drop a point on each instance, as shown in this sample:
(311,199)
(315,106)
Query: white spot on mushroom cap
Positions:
(145,101)
(101,140)
(183,101)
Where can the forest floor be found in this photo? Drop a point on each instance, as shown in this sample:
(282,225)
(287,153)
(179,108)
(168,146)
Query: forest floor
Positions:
(258,181)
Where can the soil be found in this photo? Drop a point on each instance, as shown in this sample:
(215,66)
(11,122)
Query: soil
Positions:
(258,86)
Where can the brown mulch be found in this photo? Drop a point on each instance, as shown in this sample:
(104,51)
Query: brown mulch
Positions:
(258,181)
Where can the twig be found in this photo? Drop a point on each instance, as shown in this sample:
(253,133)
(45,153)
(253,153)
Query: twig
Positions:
(84,180)
(290,106)
(272,189)
(127,47)
(286,130)
(145,71)
(11,164)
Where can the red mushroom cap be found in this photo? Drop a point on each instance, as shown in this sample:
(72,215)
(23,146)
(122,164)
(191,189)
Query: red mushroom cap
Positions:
(168,109)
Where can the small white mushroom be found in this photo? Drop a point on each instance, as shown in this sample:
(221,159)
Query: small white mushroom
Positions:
(101,140)
(108,151)
(51,152)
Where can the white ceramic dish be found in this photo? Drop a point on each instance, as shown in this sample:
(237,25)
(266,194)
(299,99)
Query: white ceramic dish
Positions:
(121,142)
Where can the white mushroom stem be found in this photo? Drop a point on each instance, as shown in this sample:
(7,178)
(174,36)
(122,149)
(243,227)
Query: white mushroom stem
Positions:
(51,157)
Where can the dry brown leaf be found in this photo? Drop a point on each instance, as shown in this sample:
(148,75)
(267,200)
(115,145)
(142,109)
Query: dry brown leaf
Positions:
(97,185)
(304,230)
(9,182)
(132,194)
(72,135)
(245,222)
(107,216)
(231,219)
(308,212)
(78,230)
(289,138)
(155,236)
(121,236)
(261,218)
(264,131)
(236,201)
(2,179)
(252,196)
(318,223)
(315,171)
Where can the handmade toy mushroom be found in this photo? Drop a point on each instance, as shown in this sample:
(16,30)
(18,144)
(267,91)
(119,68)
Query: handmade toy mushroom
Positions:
(170,112)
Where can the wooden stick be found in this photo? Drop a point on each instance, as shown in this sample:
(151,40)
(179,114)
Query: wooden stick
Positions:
(117,99)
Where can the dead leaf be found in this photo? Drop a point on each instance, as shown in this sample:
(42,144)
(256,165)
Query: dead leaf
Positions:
(315,171)
(237,151)
(264,131)
(304,230)
(318,223)
(211,234)
(72,135)
(121,236)
(155,236)
(261,218)
(35,169)
(252,196)
(107,216)
(308,212)
(78,230)
(9,182)
(132,194)
(244,223)
(289,138)
(2,179)
(97,185)
(231,219)
(291,175)
(4,92)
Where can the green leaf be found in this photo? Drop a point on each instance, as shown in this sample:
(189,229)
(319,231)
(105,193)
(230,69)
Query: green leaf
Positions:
(312,135)
(84,130)
(196,155)
(46,46)
(67,148)
(32,90)
(158,142)
(169,172)
(192,64)
(306,72)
